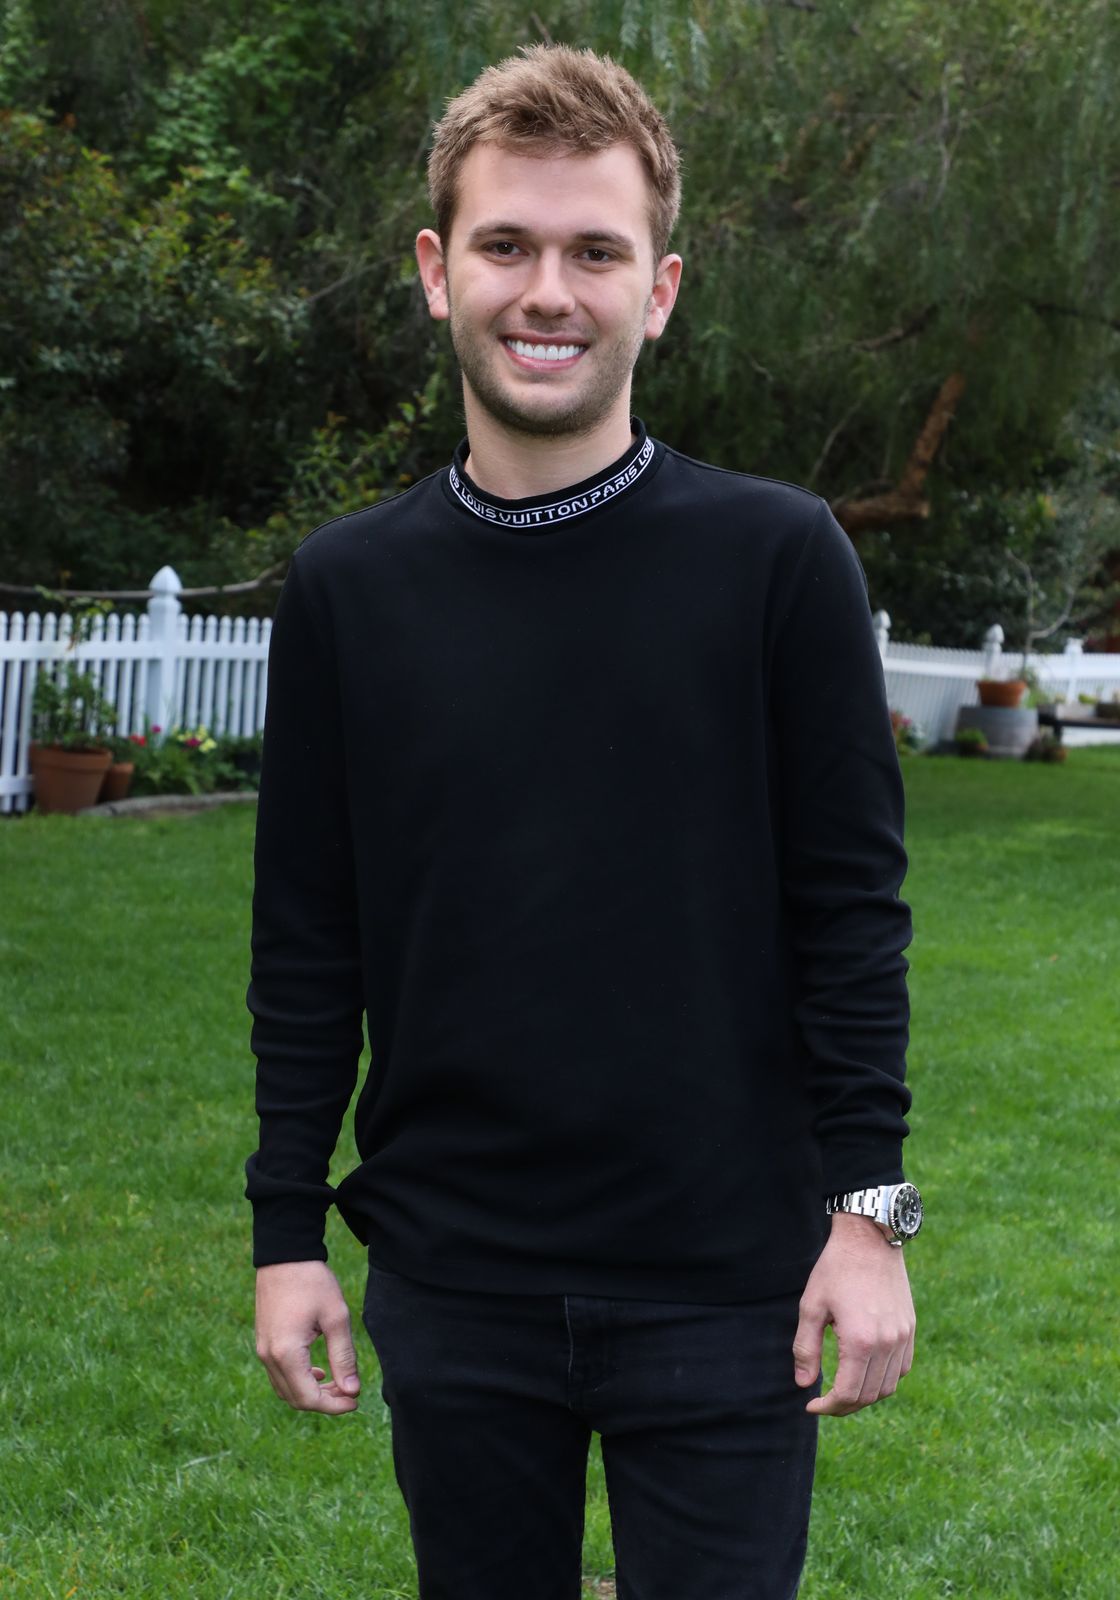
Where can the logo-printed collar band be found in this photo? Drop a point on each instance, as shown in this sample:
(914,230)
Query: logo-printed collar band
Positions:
(548,511)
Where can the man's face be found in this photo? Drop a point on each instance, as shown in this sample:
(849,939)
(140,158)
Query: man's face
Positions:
(549,284)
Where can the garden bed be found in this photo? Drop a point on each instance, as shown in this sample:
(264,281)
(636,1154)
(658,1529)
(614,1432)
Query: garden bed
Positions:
(168,805)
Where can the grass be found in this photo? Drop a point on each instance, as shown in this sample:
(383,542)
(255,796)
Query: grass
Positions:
(143,1452)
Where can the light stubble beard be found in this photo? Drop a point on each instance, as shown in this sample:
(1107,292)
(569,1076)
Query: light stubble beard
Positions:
(584,410)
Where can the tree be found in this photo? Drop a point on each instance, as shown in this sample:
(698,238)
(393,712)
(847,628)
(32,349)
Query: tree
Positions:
(1035,558)
(139,341)
(899,230)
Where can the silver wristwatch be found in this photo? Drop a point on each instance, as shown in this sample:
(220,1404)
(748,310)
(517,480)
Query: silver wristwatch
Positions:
(897,1206)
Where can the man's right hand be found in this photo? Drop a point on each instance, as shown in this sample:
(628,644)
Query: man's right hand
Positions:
(296,1302)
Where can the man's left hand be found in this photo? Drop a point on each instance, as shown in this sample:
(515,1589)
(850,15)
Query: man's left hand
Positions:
(859,1285)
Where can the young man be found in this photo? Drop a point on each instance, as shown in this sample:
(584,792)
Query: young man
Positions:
(579,781)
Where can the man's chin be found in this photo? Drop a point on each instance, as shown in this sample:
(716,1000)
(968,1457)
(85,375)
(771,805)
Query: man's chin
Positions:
(551,417)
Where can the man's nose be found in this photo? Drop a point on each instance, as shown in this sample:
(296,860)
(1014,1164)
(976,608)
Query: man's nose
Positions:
(547,292)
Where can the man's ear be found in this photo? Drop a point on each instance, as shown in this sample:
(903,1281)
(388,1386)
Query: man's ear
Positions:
(433,272)
(663,295)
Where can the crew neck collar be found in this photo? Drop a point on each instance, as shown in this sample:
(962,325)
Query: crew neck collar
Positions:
(539,513)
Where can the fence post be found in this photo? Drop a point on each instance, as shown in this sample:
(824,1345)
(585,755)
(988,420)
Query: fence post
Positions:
(882,625)
(164,608)
(993,650)
(1073,652)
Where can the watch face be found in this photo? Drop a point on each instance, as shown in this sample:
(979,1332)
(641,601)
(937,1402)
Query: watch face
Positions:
(906,1210)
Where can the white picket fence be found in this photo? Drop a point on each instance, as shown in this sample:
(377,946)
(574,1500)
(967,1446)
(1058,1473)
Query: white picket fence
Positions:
(179,671)
(182,671)
(929,684)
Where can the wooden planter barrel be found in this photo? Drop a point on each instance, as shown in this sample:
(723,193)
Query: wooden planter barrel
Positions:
(1008,729)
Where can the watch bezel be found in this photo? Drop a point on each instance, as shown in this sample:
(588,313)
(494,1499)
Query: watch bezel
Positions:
(903,1194)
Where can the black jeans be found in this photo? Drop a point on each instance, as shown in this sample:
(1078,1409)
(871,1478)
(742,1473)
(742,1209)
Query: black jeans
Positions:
(708,1451)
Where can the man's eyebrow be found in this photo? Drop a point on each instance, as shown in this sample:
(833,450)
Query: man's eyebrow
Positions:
(620,241)
(517,230)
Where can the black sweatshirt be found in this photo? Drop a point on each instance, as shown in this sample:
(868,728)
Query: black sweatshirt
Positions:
(591,803)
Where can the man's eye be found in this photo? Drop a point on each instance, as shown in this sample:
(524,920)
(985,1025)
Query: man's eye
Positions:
(595,255)
(502,247)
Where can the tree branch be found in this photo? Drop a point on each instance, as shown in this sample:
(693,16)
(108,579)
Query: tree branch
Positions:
(831,440)
(807,5)
(907,330)
(1051,308)
(906,501)
(269,575)
(934,429)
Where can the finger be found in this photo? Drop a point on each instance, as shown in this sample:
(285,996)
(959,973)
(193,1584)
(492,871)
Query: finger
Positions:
(908,1356)
(893,1373)
(843,1397)
(874,1378)
(807,1343)
(294,1380)
(341,1358)
(277,1373)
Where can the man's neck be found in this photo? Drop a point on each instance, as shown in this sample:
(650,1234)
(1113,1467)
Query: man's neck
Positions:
(518,466)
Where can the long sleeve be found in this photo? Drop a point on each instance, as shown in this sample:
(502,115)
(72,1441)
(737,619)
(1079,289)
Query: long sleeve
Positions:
(305,990)
(588,811)
(842,860)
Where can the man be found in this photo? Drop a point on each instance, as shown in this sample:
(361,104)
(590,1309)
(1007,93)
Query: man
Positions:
(579,780)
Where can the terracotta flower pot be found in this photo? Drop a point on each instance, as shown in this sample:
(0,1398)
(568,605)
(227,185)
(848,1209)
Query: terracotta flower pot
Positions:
(117,781)
(1001,691)
(67,780)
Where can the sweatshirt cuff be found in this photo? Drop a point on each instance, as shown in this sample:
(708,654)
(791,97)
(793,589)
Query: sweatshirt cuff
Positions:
(861,1166)
(287,1232)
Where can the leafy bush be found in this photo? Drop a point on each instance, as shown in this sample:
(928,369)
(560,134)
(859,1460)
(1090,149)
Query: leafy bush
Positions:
(909,736)
(70,711)
(192,761)
(971,742)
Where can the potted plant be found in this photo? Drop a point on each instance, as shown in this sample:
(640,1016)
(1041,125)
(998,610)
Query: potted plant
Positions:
(1007,692)
(1011,692)
(118,777)
(971,742)
(71,723)
(1047,747)
(1109,709)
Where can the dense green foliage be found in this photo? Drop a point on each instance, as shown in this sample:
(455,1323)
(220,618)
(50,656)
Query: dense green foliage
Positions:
(206,222)
(143,1451)
(185,761)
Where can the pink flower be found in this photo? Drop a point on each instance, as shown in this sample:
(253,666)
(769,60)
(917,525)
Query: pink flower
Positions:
(156,728)
(192,744)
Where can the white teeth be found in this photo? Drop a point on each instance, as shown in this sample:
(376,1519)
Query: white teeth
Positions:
(545,352)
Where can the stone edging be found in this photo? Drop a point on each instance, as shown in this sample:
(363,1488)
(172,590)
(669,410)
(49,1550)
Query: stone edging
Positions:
(148,804)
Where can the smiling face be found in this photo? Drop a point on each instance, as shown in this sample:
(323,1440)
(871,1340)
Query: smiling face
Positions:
(550,287)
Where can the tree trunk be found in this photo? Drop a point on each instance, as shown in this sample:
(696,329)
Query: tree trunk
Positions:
(906,502)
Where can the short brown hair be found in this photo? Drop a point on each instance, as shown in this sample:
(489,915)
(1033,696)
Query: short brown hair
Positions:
(553,100)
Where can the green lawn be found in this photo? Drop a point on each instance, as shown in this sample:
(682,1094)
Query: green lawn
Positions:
(142,1451)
